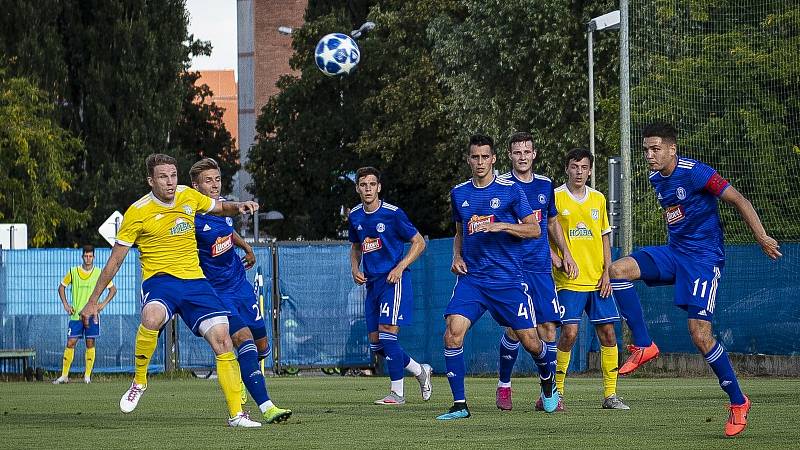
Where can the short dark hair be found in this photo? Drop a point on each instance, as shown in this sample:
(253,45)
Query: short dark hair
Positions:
(661,129)
(366,171)
(158,159)
(201,166)
(577,154)
(88,248)
(520,136)
(480,140)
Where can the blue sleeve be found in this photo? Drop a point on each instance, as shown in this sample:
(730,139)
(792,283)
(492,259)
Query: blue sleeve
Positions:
(699,175)
(551,207)
(405,228)
(352,235)
(454,207)
(519,202)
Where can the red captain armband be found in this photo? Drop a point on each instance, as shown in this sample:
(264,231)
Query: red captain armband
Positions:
(716,184)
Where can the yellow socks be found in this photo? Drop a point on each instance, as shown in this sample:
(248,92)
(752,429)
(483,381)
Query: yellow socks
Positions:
(230,380)
(562,363)
(609,362)
(69,353)
(89,362)
(146,342)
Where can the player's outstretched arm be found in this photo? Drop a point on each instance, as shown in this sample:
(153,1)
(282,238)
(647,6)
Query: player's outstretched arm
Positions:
(417,247)
(249,259)
(458,267)
(750,216)
(528,229)
(355,263)
(556,235)
(118,254)
(229,209)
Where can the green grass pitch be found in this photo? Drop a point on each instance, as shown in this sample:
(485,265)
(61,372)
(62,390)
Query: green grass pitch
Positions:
(334,411)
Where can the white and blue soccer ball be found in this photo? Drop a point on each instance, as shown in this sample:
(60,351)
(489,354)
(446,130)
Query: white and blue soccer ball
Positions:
(337,54)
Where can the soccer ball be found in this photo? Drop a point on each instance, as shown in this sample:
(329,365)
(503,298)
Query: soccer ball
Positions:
(337,54)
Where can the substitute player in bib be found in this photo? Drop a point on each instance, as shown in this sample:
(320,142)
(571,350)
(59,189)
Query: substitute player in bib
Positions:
(226,273)
(493,219)
(536,264)
(584,219)
(161,223)
(378,232)
(83,279)
(694,257)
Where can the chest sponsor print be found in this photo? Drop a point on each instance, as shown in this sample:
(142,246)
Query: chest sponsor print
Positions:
(371,245)
(674,214)
(581,231)
(181,227)
(476,221)
(221,245)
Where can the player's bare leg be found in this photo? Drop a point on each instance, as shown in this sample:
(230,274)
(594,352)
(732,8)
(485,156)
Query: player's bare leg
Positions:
(457,327)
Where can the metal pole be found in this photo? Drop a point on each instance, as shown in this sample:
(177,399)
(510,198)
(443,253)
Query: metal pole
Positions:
(255,228)
(276,313)
(591,99)
(614,173)
(625,128)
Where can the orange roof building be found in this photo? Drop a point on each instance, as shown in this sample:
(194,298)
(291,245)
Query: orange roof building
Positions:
(223,85)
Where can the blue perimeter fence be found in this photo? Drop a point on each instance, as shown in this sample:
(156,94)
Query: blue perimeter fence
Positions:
(319,321)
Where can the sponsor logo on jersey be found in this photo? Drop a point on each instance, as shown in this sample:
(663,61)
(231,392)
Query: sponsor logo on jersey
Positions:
(181,226)
(476,221)
(465,204)
(595,214)
(380,227)
(673,214)
(221,245)
(187,209)
(206,227)
(495,203)
(542,199)
(581,231)
(681,193)
(537,215)
(371,245)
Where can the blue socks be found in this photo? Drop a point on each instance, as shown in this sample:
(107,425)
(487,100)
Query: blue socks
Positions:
(377,349)
(251,374)
(718,359)
(545,361)
(631,309)
(509,349)
(265,354)
(395,356)
(552,352)
(454,361)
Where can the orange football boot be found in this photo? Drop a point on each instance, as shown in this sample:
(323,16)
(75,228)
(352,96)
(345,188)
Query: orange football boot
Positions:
(737,420)
(639,356)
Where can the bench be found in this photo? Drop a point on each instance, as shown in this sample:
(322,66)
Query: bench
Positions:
(16,358)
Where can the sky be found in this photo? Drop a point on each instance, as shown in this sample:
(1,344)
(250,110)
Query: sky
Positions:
(215,21)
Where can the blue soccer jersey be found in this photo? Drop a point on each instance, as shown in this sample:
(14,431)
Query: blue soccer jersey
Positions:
(382,235)
(689,198)
(218,259)
(492,258)
(539,193)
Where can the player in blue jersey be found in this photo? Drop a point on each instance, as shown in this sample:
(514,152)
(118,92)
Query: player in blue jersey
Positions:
(226,274)
(378,232)
(693,258)
(493,219)
(537,264)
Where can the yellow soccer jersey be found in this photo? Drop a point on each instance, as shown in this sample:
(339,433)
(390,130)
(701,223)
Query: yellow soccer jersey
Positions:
(165,233)
(584,221)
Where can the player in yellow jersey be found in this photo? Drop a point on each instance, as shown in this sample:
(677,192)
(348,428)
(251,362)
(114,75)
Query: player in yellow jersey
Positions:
(584,221)
(83,279)
(162,225)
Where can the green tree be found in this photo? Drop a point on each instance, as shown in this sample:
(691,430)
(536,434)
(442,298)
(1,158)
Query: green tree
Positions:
(35,154)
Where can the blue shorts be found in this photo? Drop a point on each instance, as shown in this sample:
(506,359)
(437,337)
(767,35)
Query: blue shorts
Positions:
(511,306)
(194,300)
(545,300)
(696,282)
(77,330)
(599,309)
(389,304)
(244,303)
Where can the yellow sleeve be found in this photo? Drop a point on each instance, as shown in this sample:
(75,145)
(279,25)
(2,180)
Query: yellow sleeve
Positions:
(605,225)
(67,278)
(130,228)
(204,203)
